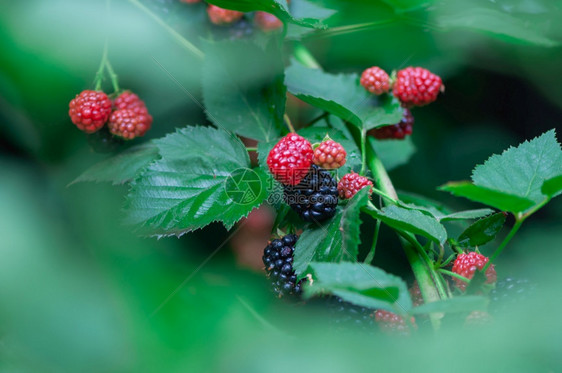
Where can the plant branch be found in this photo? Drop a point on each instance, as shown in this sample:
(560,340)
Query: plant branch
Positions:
(318,118)
(180,39)
(99,74)
(504,243)
(288,123)
(112,76)
(453,274)
(303,55)
(363,152)
(341,30)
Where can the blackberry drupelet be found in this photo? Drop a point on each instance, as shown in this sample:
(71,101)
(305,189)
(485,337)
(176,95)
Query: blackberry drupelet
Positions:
(239,30)
(278,260)
(344,314)
(508,293)
(315,198)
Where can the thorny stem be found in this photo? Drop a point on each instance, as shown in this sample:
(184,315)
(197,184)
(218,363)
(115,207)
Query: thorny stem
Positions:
(180,39)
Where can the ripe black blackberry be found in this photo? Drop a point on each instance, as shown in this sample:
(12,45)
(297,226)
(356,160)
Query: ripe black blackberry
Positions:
(278,260)
(315,198)
(344,315)
(508,293)
(103,141)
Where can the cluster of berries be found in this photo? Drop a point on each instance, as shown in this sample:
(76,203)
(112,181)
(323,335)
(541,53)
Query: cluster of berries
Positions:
(309,188)
(126,116)
(278,260)
(412,86)
(240,22)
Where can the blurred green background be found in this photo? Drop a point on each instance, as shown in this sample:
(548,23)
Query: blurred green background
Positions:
(81,292)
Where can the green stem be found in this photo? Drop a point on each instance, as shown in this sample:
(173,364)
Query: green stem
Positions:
(318,118)
(112,76)
(180,39)
(430,282)
(437,279)
(382,180)
(453,274)
(363,151)
(371,255)
(288,123)
(252,149)
(334,31)
(304,56)
(99,74)
(425,282)
(384,195)
(504,243)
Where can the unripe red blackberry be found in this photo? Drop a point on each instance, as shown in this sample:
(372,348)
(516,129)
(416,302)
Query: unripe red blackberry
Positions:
(220,16)
(351,183)
(329,155)
(416,86)
(127,124)
(267,21)
(290,159)
(466,265)
(392,323)
(375,80)
(396,131)
(415,294)
(89,110)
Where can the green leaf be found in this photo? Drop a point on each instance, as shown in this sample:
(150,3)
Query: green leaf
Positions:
(496,23)
(500,200)
(522,171)
(413,221)
(482,231)
(343,96)
(393,153)
(243,89)
(552,187)
(334,241)
(360,284)
(122,167)
(203,177)
(466,215)
(513,180)
(465,303)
